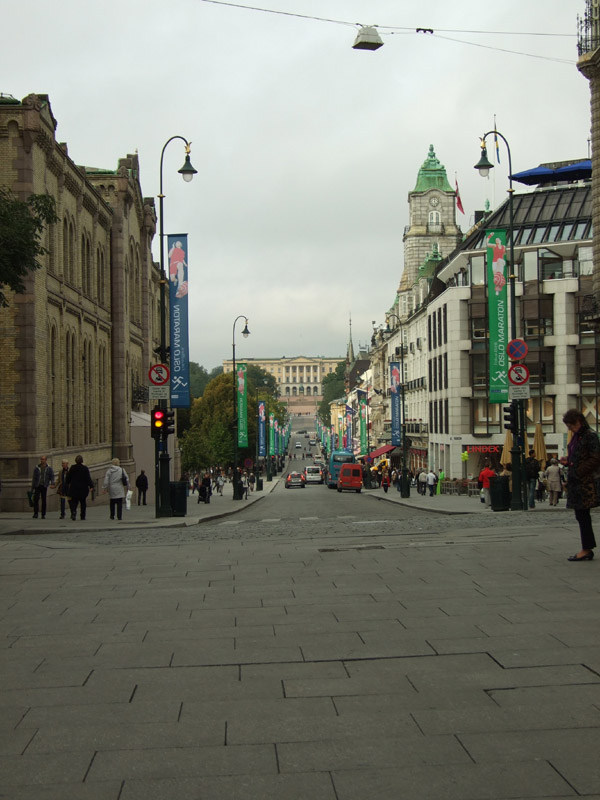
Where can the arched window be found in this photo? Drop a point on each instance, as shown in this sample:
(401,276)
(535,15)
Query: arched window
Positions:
(71,273)
(54,423)
(65,249)
(435,220)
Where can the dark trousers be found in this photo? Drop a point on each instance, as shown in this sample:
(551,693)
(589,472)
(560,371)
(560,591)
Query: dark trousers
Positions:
(142,496)
(116,503)
(39,491)
(63,505)
(73,506)
(584,518)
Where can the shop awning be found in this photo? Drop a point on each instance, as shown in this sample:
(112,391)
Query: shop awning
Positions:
(381,451)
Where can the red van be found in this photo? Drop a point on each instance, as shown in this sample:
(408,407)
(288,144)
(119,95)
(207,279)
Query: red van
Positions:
(350,477)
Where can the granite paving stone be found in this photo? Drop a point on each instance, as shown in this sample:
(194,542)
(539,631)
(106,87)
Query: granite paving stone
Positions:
(183,762)
(452,782)
(105,790)
(316,786)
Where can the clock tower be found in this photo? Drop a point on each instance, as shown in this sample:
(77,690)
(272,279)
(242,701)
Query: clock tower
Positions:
(433,225)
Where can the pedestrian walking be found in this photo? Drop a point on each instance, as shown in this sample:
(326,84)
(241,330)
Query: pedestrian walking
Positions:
(245,486)
(251,480)
(42,478)
(220,484)
(79,483)
(553,482)
(385,482)
(583,491)
(141,484)
(484,479)
(61,487)
(431,482)
(116,483)
(422,482)
(532,470)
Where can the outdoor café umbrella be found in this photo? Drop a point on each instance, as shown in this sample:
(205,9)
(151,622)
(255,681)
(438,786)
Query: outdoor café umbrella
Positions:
(539,446)
(506,457)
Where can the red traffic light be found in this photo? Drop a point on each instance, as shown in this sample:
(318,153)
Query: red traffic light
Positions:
(158,421)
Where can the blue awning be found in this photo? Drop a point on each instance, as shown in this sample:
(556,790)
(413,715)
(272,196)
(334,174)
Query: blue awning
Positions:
(580,170)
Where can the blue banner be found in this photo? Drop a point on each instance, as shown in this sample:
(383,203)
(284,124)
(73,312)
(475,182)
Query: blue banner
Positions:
(395,389)
(262,429)
(178,321)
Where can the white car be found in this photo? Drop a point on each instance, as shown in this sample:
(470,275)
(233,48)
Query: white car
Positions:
(314,475)
(298,446)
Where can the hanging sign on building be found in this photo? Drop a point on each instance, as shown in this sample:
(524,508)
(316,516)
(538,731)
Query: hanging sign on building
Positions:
(395,390)
(498,315)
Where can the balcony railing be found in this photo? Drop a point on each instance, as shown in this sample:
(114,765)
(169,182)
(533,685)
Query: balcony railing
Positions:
(588,29)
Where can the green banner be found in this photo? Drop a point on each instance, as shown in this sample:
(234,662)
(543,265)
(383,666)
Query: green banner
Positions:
(363,423)
(497,271)
(242,406)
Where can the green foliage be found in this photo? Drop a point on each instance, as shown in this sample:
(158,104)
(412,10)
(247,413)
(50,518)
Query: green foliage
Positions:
(22,224)
(198,379)
(210,437)
(333,389)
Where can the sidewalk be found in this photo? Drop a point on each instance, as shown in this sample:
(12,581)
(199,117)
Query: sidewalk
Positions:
(97,516)
(449,503)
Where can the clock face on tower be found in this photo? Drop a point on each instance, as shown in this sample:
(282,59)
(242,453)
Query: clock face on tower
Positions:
(434,202)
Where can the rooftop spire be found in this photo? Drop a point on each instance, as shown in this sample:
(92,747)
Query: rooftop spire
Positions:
(350,359)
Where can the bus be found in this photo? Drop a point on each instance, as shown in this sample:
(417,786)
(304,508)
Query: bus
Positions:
(336,459)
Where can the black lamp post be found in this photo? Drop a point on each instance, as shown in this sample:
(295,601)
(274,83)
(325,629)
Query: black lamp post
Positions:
(404,479)
(237,486)
(161,452)
(484,165)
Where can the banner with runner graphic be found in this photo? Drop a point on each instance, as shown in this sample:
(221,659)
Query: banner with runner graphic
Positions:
(497,314)
(242,404)
(262,429)
(177,246)
(395,389)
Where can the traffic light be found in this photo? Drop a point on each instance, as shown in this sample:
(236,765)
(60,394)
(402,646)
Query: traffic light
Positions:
(169,423)
(511,417)
(157,424)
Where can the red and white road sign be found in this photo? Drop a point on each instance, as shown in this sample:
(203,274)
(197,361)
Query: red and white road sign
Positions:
(517,349)
(159,374)
(518,374)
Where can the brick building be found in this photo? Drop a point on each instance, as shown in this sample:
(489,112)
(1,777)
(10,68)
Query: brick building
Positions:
(77,343)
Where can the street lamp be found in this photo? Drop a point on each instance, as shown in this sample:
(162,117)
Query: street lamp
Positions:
(483,166)
(237,486)
(161,451)
(404,479)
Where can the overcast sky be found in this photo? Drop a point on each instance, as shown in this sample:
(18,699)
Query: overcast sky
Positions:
(305,148)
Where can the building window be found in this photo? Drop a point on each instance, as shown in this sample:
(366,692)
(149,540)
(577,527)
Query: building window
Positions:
(477,269)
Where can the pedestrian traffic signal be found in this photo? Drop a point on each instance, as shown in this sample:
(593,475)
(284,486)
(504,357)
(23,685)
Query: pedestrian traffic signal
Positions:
(511,417)
(158,422)
(169,423)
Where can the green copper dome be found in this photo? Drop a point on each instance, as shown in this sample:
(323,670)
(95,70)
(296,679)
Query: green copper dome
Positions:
(429,266)
(432,174)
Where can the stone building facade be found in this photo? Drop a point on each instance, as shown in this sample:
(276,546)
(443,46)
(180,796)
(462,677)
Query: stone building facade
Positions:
(77,342)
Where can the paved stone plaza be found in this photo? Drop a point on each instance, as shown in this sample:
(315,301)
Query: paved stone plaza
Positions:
(372,659)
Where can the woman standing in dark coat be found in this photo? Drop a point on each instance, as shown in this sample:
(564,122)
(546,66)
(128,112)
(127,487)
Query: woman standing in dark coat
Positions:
(79,483)
(583,479)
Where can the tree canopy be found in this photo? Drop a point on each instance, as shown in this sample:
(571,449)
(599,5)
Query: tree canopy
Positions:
(333,388)
(22,224)
(209,440)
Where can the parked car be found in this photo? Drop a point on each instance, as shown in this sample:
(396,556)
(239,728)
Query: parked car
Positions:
(298,445)
(314,475)
(350,477)
(312,442)
(295,479)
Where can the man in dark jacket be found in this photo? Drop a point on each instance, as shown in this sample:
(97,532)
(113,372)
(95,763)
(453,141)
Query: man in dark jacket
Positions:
(61,487)
(141,483)
(532,473)
(43,477)
(79,483)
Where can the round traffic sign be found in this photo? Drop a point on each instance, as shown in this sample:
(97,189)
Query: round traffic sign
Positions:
(517,349)
(159,374)
(518,374)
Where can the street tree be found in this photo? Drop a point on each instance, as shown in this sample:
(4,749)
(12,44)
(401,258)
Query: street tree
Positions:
(22,225)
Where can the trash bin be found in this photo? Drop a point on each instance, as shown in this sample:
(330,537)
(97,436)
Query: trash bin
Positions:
(178,498)
(259,484)
(500,493)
